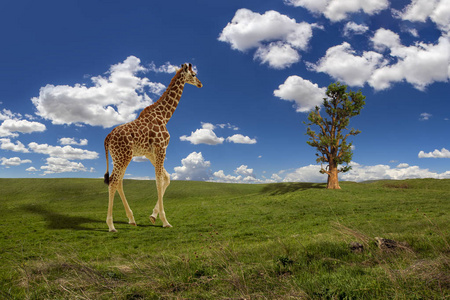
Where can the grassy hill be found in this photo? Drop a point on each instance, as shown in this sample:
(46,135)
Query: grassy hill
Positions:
(275,241)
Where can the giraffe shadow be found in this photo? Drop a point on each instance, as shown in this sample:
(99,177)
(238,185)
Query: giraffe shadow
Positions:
(289,187)
(60,221)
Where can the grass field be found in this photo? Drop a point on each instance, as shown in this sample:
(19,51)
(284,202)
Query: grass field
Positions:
(229,241)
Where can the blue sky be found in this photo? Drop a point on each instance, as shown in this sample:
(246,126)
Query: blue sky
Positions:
(72,70)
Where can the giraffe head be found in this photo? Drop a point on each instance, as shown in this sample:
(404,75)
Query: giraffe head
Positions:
(190,75)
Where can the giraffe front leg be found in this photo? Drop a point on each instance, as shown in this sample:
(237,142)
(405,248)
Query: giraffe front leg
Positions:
(162,182)
(154,215)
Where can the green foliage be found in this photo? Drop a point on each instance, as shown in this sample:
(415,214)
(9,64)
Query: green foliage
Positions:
(331,139)
(275,241)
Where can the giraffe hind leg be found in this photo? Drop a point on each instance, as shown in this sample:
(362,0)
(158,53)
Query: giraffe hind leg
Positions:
(115,184)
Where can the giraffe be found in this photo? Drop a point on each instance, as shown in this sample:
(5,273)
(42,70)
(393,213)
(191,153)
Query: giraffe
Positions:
(146,136)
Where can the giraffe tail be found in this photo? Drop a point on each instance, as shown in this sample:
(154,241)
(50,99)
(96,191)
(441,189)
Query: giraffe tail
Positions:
(107,159)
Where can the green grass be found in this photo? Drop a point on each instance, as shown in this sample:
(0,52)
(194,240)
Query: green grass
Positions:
(229,241)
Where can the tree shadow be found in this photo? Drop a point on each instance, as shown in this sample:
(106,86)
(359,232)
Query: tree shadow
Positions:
(289,187)
(59,221)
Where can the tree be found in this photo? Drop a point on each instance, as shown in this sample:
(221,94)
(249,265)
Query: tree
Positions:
(331,138)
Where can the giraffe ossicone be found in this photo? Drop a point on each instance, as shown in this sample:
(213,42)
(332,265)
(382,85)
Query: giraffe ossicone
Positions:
(146,136)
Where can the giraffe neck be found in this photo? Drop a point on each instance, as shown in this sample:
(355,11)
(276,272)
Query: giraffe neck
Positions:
(168,102)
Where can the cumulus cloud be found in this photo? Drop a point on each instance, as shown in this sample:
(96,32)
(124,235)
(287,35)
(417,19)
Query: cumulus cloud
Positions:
(420,10)
(305,174)
(72,141)
(443,153)
(14,161)
(66,152)
(6,144)
(343,63)
(62,165)
(13,124)
(360,173)
(244,171)
(220,176)
(10,126)
(205,135)
(420,64)
(351,28)
(277,55)
(31,169)
(244,174)
(193,167)
(305,94)
(338,10)
(112,100)
(364,173)
(276,37)
(240,139)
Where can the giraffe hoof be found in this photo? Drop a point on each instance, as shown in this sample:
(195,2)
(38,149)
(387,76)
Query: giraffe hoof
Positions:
(133,223)
(167,226)
(152,219)
(113,230)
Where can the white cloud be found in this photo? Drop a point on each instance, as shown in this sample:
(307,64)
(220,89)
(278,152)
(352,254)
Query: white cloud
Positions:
(31,169)
(166,68)
(342,63)
(338,10)
(14,161)
(420,64)
(425,116)
(228,125)
(112,100)
(6,114)
(306,174)
(360,173)
(11,125)
(220,176)
(315,6)
(443,153)
(402,165)
(244,171)
(305,94)
(277,55)
(62,165)
(352,28)
(364,173)
(420,10)
(205,135)
(243,175)
(240,139)
(194,167)
(385,39)
(276,36)
(72,141)
(6,144)
(140,159)
(66,152)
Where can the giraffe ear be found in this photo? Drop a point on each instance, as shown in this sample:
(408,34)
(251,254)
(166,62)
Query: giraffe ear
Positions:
(184,66)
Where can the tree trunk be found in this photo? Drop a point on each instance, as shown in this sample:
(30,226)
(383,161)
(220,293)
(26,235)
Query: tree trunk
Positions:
(333,182)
